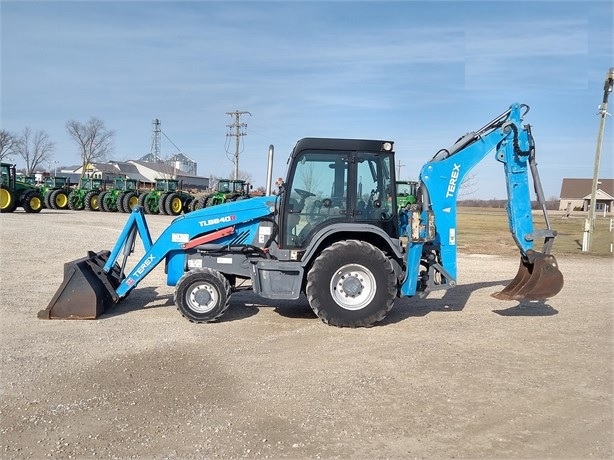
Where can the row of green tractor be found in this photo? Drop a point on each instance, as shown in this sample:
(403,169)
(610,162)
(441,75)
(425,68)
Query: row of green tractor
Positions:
(90,194)
(165,198)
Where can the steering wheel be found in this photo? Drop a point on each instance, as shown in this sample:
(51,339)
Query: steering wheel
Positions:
(304,194)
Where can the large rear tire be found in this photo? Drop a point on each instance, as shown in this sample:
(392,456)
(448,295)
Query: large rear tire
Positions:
(59,199)
(173,204)
(351,284)
(202,295)
(91,201)
(129,201)
(162,203)
(31,201)
(101,204)
(8,203)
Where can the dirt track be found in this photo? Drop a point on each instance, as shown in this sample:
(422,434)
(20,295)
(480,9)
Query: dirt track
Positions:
(457,375)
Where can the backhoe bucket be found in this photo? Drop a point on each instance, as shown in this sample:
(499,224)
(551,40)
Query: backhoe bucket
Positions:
(86,291)
(538,278)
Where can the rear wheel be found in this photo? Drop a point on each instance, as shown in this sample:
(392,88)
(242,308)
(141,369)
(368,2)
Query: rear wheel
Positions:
(142,198)
(101,205)
(47,200)
(59,199)
(162,203)
(129,201)
(91,201)
(173,204)
(351,284)
(7,200)
(202,295)
(31,201)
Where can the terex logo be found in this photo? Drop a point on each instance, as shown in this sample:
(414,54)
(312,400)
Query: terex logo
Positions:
(217,220)
(139,271)
(453,180)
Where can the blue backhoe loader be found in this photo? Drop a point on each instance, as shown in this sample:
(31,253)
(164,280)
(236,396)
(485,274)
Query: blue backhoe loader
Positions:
(333,232)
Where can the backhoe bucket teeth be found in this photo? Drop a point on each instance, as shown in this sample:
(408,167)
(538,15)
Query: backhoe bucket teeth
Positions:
(534,281)
(86,291)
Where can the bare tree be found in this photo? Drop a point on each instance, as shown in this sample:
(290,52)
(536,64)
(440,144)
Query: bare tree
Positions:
(243,175)
(94,141)
(34,148)
(7,141)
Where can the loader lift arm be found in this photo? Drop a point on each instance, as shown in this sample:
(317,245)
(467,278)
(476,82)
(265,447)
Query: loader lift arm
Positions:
(432,250)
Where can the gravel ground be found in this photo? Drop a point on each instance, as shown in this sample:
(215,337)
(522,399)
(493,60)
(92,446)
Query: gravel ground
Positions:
(457,375)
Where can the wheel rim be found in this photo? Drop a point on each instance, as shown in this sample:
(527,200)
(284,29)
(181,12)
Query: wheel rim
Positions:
(132,202)
(176,205)
(5,199)
(61,200)
(94,202)
(202,298)
(353,287)
(36,203)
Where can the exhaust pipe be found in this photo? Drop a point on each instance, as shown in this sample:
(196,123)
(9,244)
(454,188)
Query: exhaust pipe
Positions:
(269,170)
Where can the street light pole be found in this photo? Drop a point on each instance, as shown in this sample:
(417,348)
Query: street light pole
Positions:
(603,112)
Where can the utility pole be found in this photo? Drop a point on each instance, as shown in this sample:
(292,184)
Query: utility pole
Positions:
(589,227)
(237,126)
(399,165)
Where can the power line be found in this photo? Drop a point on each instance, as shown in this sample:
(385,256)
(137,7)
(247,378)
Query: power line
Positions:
(237,126)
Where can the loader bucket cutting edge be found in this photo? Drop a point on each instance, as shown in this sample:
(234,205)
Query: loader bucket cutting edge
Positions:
(86,291)
(534,281)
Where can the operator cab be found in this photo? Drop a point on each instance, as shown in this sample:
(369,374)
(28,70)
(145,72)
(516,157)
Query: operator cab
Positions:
(337,181)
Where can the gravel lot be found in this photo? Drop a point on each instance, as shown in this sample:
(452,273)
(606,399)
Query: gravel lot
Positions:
(458,375)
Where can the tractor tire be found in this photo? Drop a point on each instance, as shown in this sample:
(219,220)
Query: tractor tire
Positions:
(101,205)
(8,203)
(173,204)
(31,201)
(202,295)
(351,284)
(196,204)
(73,201)
(92,203)
(58,199)
(162,203)
(187,205)
(129,200)
(149,209)
(47,200)
(142,198)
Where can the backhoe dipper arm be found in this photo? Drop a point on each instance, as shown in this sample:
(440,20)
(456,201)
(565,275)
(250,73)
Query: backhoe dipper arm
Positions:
(441,180)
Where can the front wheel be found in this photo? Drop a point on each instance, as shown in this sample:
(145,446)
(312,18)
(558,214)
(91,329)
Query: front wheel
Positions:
(351,284)
(202,295)
(31,201)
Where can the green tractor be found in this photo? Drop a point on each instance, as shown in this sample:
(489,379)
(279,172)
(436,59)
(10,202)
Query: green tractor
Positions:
(407,193)
(166,198)
(15,193)
(55,191)
(85,196)
(122,197)
(226,190)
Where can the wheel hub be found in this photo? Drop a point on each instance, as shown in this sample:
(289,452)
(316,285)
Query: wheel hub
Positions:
(202,298)
(353,287)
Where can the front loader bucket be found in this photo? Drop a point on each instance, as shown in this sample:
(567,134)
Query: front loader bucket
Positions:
(86,291)
(538,278)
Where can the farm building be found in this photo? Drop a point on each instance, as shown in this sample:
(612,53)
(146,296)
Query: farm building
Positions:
(576,195)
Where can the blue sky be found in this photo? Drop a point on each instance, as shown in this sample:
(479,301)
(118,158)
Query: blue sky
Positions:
(420,73)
